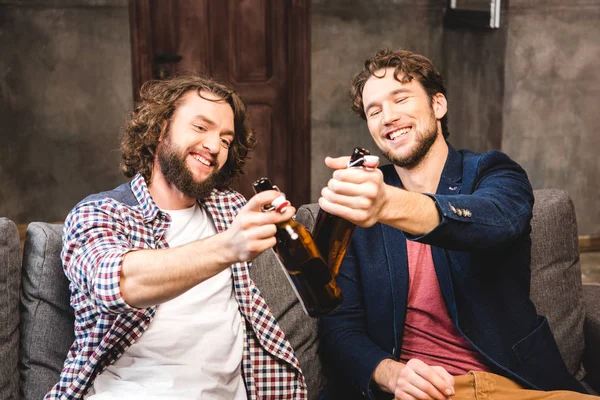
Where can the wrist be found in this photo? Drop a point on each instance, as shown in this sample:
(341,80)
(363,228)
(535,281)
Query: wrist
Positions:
(220,247)
(391,205)
(383,375)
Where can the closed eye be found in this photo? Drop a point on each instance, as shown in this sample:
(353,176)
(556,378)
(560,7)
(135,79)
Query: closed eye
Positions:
(401,100)
(225,143)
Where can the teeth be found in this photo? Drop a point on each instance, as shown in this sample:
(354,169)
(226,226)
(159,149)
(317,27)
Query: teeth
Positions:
(202,160)
(399,132)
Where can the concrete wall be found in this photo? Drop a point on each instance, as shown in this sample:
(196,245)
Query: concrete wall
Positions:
(529,88)
(552,99)
(65,89)
(474,61)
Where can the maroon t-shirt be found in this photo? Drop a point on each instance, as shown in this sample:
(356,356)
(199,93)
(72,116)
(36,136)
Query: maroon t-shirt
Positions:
(429,333)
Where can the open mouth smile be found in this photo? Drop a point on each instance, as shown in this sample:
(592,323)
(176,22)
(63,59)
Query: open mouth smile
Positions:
(397,132)
(202,159)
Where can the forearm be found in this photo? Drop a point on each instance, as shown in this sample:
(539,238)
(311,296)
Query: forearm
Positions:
(414,213)
(150,277)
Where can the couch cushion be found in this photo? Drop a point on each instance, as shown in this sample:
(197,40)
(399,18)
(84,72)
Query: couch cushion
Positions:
(10,278)
(556,287)
(46,315)
(299,328)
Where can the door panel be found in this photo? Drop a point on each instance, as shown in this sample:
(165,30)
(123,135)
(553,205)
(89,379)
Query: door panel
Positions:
(258,47)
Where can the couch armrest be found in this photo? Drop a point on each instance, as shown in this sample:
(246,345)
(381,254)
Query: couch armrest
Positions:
(591,361)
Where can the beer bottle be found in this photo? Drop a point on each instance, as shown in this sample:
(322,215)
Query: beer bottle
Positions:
(332,234)
(307,271)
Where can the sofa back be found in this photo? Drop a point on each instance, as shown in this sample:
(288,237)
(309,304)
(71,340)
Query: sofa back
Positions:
(46,315)
(556,286)
(10,278)
(47,318)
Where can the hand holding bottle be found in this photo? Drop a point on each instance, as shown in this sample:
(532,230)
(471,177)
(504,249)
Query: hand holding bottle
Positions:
(355,194)
(253,231)
(307,271)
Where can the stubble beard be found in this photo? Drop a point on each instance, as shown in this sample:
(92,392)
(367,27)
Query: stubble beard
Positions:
(418,154)
(171,161)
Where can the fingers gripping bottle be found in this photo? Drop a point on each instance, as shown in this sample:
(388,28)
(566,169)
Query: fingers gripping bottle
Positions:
(309,274)
(332,234)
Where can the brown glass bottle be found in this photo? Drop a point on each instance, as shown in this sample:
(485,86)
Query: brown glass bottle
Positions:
(309,274)
(332,234)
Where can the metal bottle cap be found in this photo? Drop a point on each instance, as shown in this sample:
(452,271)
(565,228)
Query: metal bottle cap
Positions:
(371,161)
(280,203)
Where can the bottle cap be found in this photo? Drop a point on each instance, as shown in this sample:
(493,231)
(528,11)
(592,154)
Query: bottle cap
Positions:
(371,161)
(280,203)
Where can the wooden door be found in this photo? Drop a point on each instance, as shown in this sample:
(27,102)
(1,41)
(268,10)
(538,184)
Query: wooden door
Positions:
(258,47)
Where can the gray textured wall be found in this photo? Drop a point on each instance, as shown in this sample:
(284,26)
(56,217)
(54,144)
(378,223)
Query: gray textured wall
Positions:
(552,99)
(474,63)
(529,88)
(65,88)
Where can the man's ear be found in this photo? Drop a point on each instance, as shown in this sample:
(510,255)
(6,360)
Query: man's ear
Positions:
(440,105)
(163,130)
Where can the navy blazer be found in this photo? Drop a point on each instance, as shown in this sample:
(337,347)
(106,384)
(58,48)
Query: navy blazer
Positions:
(481,252)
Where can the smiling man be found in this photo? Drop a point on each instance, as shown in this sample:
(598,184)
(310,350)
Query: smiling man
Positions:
(158,267)
(436,281)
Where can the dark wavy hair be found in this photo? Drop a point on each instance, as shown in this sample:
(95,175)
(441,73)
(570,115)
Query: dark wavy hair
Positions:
(410,65)
(158,101)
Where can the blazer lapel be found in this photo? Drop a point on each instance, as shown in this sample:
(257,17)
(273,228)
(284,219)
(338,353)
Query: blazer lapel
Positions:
(450,184)
(394,244)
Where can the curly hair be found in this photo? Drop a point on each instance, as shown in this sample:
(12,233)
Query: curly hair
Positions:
(410,65)
(158,101)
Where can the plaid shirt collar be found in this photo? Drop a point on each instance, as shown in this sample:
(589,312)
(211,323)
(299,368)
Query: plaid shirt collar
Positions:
(218,203)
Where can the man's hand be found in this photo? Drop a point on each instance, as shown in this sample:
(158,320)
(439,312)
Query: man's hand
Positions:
(414,380)
(356,194)
(253,231)
(362,197)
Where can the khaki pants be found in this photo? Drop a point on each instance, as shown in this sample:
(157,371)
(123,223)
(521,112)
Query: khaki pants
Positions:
(487,386)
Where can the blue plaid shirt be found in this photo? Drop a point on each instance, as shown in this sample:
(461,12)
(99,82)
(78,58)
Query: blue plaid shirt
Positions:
(98,232)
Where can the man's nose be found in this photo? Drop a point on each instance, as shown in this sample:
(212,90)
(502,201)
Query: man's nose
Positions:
(389,114)
(211,142)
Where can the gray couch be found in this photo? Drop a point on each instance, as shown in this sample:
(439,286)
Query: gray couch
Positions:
(36,321)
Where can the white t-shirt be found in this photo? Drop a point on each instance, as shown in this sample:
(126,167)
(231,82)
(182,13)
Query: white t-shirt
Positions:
(193,346)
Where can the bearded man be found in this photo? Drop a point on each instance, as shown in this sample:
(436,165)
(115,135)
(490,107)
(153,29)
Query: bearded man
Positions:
(158,267)
(436,281)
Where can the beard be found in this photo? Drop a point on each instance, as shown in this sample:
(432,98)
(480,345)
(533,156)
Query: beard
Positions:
(171,161)
(425,140)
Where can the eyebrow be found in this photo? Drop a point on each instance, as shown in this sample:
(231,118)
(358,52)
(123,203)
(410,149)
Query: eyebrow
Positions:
(212,123)
(390,94)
